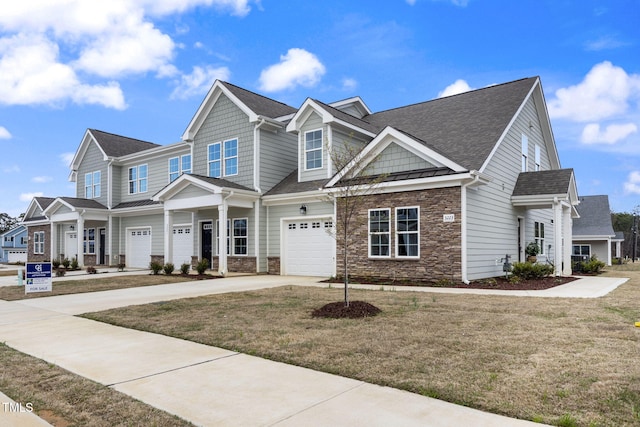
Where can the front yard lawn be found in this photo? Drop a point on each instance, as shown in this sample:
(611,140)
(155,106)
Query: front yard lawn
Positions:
(551,360)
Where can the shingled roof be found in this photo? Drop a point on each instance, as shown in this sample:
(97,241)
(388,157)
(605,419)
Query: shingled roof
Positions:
(261,105)
(551,182)
(291,185)
(117,146)
(595,217)
(464,127)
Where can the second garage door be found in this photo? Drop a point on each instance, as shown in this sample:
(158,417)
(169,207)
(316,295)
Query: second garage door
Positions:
(309,248)
(139,247)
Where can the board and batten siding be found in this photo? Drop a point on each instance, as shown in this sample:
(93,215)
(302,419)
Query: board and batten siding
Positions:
(92,161)
(492,221)
(278,152)
(225,121)
(279,212)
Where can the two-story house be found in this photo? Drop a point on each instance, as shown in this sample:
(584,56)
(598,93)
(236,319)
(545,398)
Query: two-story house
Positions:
(14,245)
(254,186)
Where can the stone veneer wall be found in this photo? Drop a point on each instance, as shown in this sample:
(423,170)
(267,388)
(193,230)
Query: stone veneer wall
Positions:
(237,264)
(31,257)
(273,265)
(440,242)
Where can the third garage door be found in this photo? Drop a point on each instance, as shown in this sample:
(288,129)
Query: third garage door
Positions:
(309,248)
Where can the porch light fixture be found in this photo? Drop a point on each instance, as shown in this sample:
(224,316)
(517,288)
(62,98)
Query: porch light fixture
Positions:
(72,228)
(303,210)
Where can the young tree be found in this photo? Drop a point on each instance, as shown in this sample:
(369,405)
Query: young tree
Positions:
(355,181)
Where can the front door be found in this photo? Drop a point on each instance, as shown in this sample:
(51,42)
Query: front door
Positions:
(102,242)
(206,238)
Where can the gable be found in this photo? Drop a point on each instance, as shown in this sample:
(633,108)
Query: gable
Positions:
(395,158)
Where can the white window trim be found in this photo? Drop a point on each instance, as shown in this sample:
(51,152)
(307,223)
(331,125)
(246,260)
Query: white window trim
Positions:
(182,168)
(137,180)
(88,185)
(304,142)
(234,237)
(378,233)
(537,157)
(177,172)
(539,237)
(38,243)
(96,185)
(215,161)
(397,233)
(86,240)
(525,153)
(225,158)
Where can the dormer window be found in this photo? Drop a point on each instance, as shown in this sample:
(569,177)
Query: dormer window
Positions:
(313,149)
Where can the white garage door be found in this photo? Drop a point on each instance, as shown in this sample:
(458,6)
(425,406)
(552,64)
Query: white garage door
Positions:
(138,247)
(308,247)
(182,245)
(17,256)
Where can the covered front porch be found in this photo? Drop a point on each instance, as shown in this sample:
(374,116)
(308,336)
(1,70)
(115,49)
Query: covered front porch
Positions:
(555,190)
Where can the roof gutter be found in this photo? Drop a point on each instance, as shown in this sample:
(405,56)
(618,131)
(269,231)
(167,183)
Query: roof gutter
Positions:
(475,179)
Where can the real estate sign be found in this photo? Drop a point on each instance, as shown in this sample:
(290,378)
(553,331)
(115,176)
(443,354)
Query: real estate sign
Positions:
(38,277)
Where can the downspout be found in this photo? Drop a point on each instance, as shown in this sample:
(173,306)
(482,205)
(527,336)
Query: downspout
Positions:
(256,186)
(463,225)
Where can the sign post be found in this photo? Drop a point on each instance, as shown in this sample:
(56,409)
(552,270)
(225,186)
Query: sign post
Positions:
(38,277)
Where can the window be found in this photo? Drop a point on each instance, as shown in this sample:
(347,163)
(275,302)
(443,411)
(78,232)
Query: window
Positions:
(138,179)
(537,158)
(539,235)
(240,236)
(379,232)
(581,253)
(313,149)
(89,241)
(178,166)
(407,232)
(38,242)
(223,163)
(92,185)
(231,157)
(525,152)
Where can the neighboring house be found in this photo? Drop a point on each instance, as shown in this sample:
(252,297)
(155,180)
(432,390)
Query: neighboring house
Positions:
(593,232)
(616,245)
(14,245)
(464,181)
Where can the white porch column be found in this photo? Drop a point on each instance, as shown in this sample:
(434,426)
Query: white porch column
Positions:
(222,231)
(80,228)
(110,257)
(558,249)
(168,237)
(53,254)
(567,224)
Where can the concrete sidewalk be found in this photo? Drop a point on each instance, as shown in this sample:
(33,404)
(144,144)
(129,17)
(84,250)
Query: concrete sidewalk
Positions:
(206,385)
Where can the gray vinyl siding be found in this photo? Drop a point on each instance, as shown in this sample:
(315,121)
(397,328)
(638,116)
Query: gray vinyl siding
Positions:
(92,161)
(344,146)
(116,186)
(598,248)
(278,153)
(396,159)
(232,213)
(314,122)
(226,121)
(262,238)
(277,213)
(492,221)
(157,175)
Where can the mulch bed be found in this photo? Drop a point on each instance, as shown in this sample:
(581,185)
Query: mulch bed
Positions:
(338,310)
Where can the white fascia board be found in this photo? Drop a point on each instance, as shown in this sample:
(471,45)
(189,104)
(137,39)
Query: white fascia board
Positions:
(31,209)
(34,223)
(137,211)
(547,131)
(55,205)
(180,184)
(309,106)
(537,200)
(207,105)
(445,181)
(353,100)
(87,139)
(383,140)
(152,152)
(603,237)
(294,198)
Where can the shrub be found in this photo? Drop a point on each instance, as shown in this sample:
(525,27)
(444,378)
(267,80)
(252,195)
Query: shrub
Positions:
(121,267)
(593,266)
(55,263)
(91,270)
(202,266)
(155,267)
(530,271)
(66,263)
(168,268)
(74,264)
(60,272)
(184,268)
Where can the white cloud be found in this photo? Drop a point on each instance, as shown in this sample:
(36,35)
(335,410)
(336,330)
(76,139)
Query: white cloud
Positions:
(4,133)
(459,86)
(27,197)
(605,92)
(632,186)
(199,81)
(604,43)
(66,159)
(41,179)
(31,74)
(592,134)
(297,67)
(52,51)
(11,169)
(349,84)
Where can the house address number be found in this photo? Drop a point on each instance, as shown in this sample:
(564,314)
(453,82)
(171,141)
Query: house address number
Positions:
(448,218)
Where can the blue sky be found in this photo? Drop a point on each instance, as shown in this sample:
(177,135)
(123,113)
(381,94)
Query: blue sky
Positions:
(140,68)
